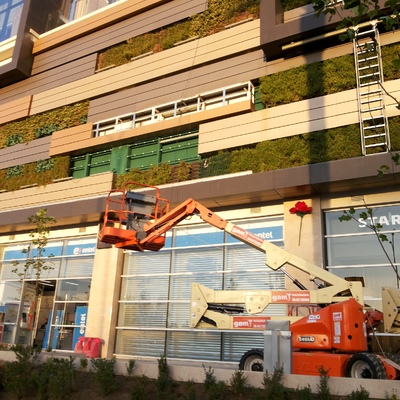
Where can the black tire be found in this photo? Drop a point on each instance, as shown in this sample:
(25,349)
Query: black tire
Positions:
(365,366)
(252,360)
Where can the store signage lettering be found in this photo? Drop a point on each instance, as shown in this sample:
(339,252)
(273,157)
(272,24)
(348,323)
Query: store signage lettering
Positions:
(82,324)
(384,220)
(83,250)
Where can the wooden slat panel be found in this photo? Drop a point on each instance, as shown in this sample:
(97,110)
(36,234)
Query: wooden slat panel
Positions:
(25,153)
(15,109)
(91,22)
(64,74)
(186,84)
(224,44)
(296,118)
(137,25)
(60,192)
(72,140)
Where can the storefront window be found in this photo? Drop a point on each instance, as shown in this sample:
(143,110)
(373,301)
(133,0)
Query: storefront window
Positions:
(64,286)
(353,250)
(154,314)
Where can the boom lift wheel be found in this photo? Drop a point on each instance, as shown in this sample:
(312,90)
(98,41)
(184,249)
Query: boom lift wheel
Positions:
(252,360)
(365,366)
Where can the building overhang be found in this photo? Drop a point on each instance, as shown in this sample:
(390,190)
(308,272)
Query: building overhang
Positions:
(352,177)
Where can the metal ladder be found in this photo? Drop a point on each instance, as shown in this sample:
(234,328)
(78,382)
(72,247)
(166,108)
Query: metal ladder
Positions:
(374,125)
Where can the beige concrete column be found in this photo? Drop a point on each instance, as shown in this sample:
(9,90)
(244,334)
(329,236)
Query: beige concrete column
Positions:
(104,296)
(311,240)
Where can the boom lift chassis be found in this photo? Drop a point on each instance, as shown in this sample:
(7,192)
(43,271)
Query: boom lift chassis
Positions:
(334,336)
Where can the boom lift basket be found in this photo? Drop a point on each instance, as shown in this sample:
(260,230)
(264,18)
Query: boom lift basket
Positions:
(127,214)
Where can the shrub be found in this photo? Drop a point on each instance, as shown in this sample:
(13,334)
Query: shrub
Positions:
(239,383)
(164,381)
(56,379)
(18,377)
(359,394)
(104,376)
(273,384)
(323,386)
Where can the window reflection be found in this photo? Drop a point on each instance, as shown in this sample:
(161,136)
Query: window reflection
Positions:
(73,290)
(10,15)
(70,10)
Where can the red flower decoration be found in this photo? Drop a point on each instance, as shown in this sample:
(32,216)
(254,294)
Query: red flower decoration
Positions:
(300,209)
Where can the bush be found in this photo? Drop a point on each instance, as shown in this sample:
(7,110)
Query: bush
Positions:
(55,379)
(273,384)
(18,376)
(104,376)
(164,381)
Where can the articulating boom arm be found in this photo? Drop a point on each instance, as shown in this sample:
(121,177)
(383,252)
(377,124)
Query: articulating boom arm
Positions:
(142,222)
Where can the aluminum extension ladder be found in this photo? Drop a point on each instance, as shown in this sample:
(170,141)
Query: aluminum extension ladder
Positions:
(374,125)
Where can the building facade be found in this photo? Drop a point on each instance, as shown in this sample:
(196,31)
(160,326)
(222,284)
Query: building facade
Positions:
(244,106)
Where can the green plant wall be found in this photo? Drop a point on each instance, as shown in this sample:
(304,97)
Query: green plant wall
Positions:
(34,173)
(39,125)
(219,14)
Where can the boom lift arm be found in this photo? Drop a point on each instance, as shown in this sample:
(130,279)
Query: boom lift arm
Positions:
(152,221)
(333,336)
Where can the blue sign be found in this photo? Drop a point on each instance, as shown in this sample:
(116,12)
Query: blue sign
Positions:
(80,323)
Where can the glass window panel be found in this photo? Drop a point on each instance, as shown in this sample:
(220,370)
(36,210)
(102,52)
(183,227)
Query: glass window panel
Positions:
(147,263)
(145,288)
(79,266)
(207,345)
(179,315)
(140,343)
(143,315)
(353,250)
(236,344)
(10,292)
(358,250)
(73,290)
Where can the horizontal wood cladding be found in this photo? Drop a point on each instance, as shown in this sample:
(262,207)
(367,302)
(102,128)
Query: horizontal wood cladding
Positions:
(62,75)
(187,56)
(97,20)
(102,38)
(60,192)
(76,140)
(15,109)
(320,113)
(68,140)
(241,68)
(25,153)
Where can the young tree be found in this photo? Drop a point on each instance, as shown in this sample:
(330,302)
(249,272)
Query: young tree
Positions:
(38,261)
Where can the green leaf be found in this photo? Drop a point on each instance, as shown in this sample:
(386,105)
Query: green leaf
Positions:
(383,238)
(396,158)
(391,3)
(344,218)
(363,215)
